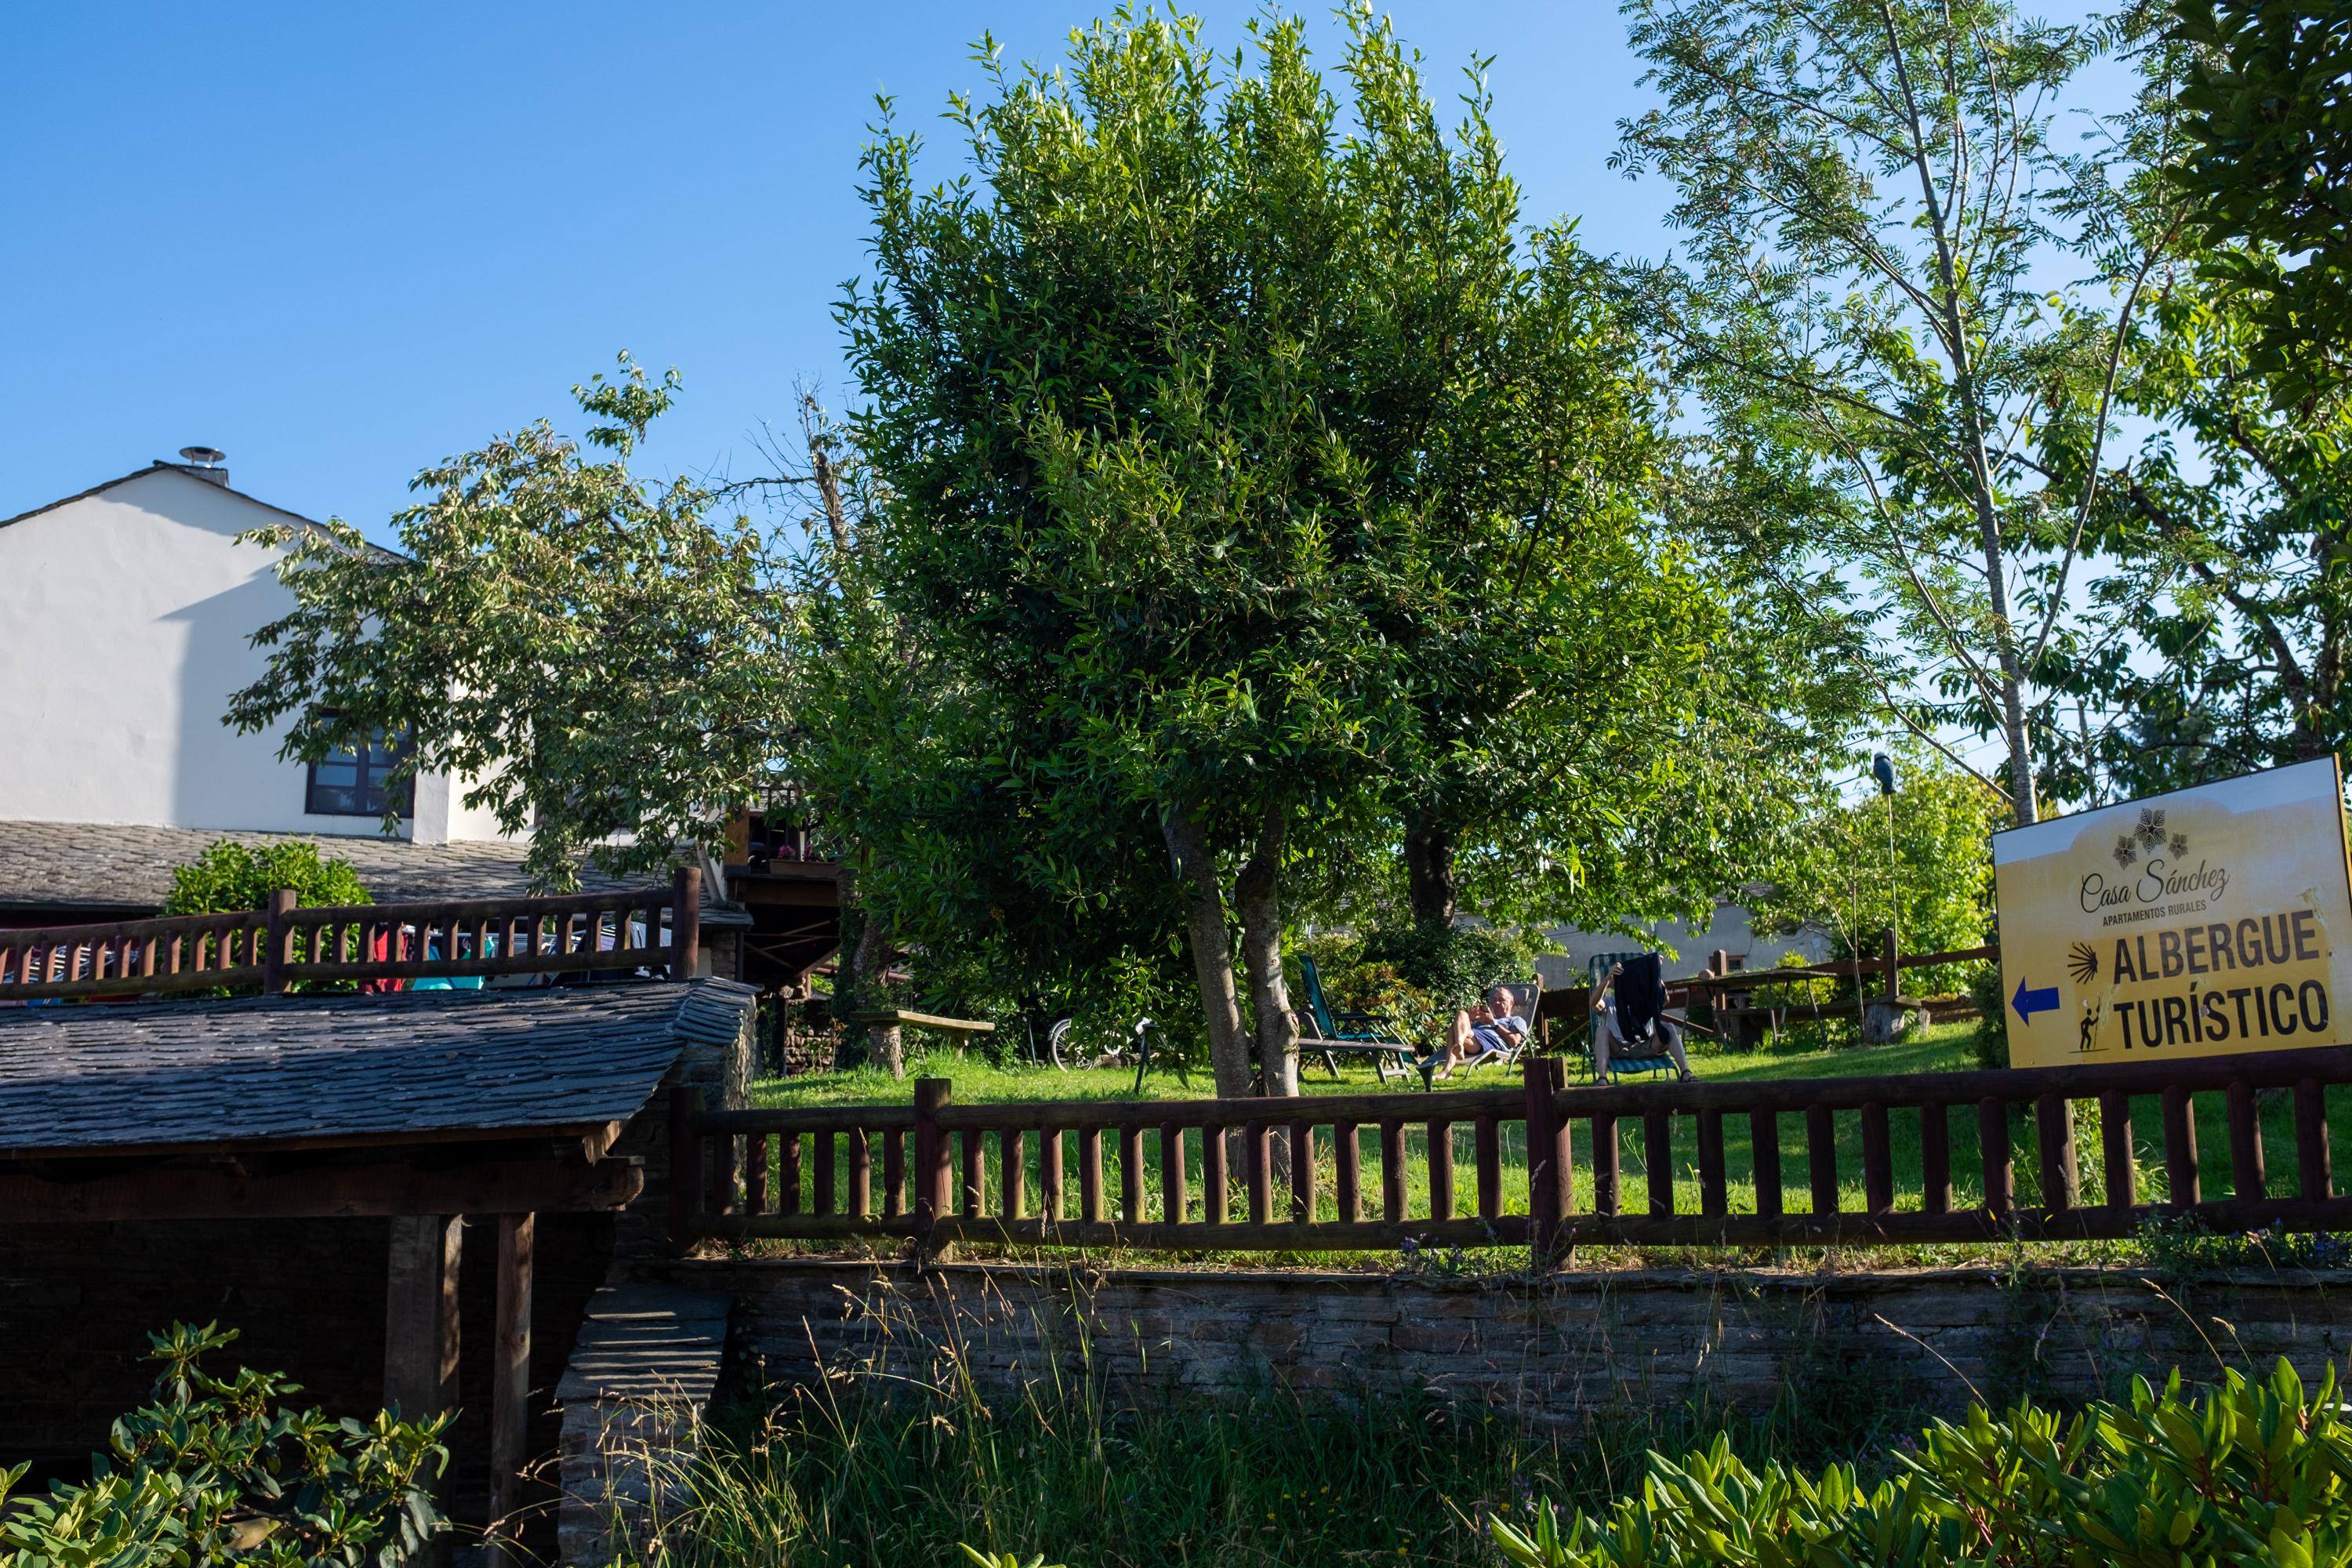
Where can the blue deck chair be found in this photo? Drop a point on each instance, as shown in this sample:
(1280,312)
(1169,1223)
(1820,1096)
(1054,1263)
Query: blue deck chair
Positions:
(1657,1061)
(1363,1034)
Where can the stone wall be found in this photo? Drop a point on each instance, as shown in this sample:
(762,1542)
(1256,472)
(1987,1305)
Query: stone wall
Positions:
(1557,1349)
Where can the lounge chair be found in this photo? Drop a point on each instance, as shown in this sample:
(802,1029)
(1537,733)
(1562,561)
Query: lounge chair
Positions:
(1524,995)
(1623,1061)
(1374,1035)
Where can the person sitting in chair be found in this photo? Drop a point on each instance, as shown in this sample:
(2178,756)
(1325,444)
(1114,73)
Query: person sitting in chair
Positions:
(1503,1003)
(1473,1033)
(1637,1022)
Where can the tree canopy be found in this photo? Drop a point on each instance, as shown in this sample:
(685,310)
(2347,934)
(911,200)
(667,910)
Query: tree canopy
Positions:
(1269,496)
(1903,408)
(601,656)
(2270,167)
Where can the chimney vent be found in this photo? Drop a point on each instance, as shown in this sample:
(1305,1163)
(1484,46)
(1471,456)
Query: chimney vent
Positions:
(204,463)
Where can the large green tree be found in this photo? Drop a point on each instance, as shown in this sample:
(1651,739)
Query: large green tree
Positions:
(2227,566)
(601,656)
(1269,491)
(2223,593)
(1866,310)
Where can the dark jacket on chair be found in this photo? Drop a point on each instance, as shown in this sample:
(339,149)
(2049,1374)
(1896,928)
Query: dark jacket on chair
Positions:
(1641,996)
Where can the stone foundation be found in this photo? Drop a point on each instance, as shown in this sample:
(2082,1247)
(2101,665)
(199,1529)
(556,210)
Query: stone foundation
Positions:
(1553,1351)
(633,1398)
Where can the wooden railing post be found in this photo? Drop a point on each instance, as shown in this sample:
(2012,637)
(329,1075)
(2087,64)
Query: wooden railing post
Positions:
(1764,1160)
(1606,1173)
(934,1168)
(1992,1147)
(1547,1166)
(2180,1147)
(2315,1175)
(1894,962)
(685,922)
(1714,1193)
(280,937)
(1936,1158)
(2249,1182)
(1878,1160)
(2115,1151)
(685,1164)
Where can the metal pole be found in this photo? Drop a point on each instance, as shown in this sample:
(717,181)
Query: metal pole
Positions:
(1894,902)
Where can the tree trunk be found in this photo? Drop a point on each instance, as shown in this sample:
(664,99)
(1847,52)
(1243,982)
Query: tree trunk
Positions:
(849,1043)
(1258,899)
(1430,885)
(857,987)
(1958,345)
(1212,949)
(885,1043)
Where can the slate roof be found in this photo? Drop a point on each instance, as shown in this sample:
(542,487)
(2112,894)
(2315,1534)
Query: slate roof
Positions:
(115,868)
(218,479)
(408,1066)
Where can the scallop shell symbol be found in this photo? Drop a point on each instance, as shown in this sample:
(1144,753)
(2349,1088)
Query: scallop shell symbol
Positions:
(2083,963)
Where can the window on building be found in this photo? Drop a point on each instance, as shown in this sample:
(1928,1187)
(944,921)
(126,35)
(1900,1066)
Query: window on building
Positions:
(357,782)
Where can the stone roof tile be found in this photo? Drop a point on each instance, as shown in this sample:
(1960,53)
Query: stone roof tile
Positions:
(122,868)
(257,1071)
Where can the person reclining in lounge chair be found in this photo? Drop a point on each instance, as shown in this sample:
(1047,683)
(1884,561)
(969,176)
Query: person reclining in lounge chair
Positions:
(1486,1027)
(1630,1006)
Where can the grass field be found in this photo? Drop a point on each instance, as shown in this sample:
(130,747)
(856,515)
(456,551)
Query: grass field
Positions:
(1940,1050)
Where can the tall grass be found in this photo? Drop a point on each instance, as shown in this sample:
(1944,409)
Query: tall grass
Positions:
(896,1463)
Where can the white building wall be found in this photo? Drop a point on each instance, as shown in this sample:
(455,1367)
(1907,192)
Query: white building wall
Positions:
(124,624)
(1686,947)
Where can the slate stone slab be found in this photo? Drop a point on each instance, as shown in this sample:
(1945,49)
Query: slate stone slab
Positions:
(647,1342)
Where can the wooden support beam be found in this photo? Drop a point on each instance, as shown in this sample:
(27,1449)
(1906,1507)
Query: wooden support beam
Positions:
(322,1192)
(509,1389)
(420,1326)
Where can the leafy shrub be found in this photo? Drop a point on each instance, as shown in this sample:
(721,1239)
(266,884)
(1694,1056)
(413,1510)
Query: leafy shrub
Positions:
(228,876)
(1379,989)
(216,1471)
(1454,965)
(2244,1474)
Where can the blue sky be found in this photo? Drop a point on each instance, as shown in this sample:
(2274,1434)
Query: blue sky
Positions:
(342,242)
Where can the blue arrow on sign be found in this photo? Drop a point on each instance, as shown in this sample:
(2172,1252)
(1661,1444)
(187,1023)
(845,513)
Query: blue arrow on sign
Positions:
(2029,1002)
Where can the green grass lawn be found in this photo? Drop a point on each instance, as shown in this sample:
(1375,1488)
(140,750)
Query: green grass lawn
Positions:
(1943,1048)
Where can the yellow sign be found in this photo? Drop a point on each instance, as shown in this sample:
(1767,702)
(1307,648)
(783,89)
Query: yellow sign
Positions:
(2205,922)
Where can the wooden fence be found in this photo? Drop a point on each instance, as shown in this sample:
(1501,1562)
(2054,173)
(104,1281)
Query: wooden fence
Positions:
(1736,1017)
(955,1173)
(285,944)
